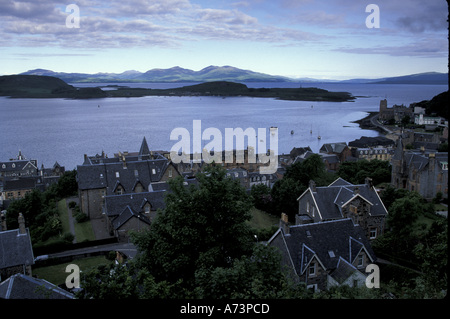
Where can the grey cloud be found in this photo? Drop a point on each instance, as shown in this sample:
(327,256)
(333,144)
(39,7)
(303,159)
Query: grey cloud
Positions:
(426,48)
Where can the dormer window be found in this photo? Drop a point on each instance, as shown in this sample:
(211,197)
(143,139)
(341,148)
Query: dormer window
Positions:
(312,269)
(360,260)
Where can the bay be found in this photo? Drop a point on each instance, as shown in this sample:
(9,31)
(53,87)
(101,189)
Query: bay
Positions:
(64,130)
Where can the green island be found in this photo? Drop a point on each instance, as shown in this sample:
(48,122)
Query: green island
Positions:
(37,86)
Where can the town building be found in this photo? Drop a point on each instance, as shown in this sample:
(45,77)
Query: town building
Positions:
(341,149)
(324,254)
(341,199)
(16,252)
(396,112)
(421,170)
(102,181)
(20,176)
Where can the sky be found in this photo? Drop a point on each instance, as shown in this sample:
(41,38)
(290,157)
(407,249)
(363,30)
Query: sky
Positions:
(327,39)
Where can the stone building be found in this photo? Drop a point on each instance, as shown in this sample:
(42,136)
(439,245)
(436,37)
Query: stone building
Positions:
(396,112)
(324,254)
(126,173)
(16,252)
(424,171)
(341,199)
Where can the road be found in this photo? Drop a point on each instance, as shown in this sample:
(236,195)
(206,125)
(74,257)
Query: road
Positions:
(126,248)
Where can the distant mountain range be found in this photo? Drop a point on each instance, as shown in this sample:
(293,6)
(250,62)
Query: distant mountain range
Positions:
(223,73)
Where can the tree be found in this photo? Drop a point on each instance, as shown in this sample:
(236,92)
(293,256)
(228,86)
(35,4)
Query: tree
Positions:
(261,197)
(256,276)
(284,195)
(296,180)
(403,214)
(202,226)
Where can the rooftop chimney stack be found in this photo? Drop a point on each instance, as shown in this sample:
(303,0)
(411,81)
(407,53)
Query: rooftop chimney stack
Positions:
(312,185)
(2,222)
(22,229)
(284,223)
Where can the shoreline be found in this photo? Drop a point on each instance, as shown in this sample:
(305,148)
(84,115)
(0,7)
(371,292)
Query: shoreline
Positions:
(366,124)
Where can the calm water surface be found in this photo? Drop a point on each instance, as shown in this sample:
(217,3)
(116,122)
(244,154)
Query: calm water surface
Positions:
(63,130)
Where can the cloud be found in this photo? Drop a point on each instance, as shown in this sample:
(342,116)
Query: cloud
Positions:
(424,48)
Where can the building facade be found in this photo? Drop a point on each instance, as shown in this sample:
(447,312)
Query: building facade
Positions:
(424,171)
(340,200)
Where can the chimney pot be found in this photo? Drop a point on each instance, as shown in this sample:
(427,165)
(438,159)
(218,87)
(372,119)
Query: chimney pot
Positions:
(284,223)
(22,229)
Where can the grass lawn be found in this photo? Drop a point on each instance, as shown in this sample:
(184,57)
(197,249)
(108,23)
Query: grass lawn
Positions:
(84,231)
(261,219)
(56,274)
(63,215)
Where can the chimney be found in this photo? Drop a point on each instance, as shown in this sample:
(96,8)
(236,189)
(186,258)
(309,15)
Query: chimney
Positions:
(22,229)
(284,223)
(312,185)
(368,182)
(2,222)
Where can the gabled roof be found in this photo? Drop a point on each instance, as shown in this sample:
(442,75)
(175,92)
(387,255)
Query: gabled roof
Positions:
(105,174)
(126,215)
(144,148)
(333,147)
(341,237)
(15,249)
(20,286)
(343,270)
(115,204)
(330,199)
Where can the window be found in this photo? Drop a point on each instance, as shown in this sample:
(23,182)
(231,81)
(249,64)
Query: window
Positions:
(312,269)
(360,260)
(170,172)
(312,287)
(153,171)
(373,233)
(117,175)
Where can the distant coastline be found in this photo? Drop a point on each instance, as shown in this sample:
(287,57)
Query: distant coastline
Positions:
(37,86)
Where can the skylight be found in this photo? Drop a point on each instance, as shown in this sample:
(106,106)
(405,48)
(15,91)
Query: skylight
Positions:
(331,253)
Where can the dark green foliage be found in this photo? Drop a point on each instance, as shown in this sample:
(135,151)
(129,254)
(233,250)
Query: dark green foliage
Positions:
(261,197)
(355,172)
(285,192)
(40,209)
(201,226)
(257,276)
(437,105)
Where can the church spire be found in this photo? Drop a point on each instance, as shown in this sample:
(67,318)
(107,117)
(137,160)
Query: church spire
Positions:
(144,148)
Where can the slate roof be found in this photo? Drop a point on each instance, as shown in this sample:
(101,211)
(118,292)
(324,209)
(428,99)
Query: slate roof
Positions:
(17,165)
(115,204)
(20,286)
(365,141)
(333,147)
(341,237)
(330,199)
(343,270)
(15,249)
(19,184)
(107,174)
(126,215)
